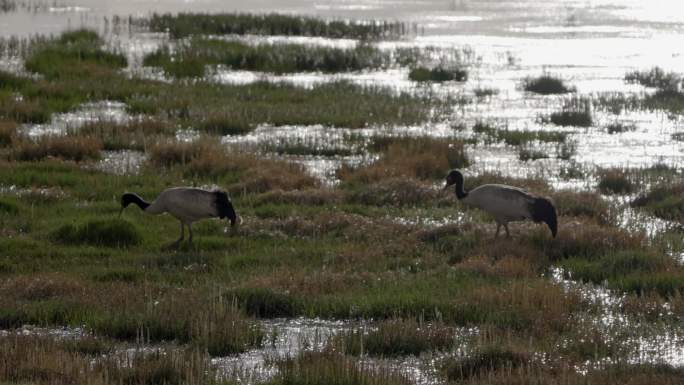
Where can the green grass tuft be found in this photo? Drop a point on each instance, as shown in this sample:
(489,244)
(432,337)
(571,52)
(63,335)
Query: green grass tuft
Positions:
(99,232)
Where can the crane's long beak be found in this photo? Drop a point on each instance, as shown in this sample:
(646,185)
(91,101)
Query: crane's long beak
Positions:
(235,225)
(445,188)
(121,211)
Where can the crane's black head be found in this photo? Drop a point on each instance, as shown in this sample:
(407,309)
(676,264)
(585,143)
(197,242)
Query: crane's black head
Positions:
(543,210)
(455,178)
(225,207)
(128,198)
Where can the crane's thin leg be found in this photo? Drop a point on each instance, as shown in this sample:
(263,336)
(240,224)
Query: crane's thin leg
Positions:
(190,231)
(508,235)
(182,236)
(498,227)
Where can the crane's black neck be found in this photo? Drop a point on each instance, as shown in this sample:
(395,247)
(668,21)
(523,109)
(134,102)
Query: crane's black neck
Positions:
(460,191)
(128,198)
(224,207)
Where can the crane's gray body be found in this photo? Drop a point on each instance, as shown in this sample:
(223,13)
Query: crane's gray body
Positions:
(187,204)
(504,203)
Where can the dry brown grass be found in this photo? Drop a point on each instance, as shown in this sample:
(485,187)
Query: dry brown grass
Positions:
(64,147)
(419,158)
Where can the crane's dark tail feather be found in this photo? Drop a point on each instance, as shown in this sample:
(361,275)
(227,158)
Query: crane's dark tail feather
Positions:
(543,210)
(225,207)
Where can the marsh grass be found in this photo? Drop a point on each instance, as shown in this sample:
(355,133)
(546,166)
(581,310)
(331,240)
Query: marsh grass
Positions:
(41,360)
(656,78)
(664,201)
(546,85)
(64,147)
(396,191)
(582,204)
(310,368)
(438,74)
(74,52)
(200,103)
(588,240)
(243,173)
(636,271)
(190,59)
(99,232)
(615,181)
(485,361)
(188,24)
(397,338)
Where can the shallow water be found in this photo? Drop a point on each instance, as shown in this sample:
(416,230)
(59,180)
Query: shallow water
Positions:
(647,342)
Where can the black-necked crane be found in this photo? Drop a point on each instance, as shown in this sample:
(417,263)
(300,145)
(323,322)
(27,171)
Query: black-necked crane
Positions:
(505,203)
(187,204)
